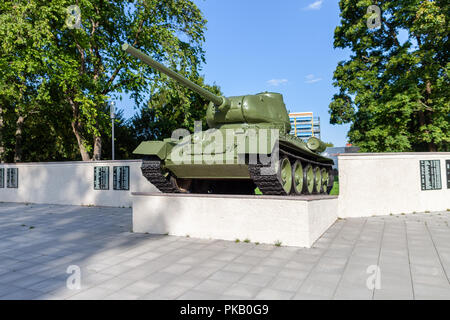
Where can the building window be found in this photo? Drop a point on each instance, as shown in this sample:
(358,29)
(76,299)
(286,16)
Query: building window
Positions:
(101,178)
(12,178)
(304,125)
(121,178)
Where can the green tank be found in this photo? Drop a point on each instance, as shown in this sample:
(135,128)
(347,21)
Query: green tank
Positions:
(248,145)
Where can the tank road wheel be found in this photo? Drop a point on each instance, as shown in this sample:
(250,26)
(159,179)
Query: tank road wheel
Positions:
(285,174)
(308,178)
(317,180)
(297,177)
(325,179)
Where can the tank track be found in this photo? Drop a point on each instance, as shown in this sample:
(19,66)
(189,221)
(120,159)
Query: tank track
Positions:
(151,170)
(269,184)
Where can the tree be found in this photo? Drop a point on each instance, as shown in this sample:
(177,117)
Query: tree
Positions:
(22,68)
(78,60)
(395,95)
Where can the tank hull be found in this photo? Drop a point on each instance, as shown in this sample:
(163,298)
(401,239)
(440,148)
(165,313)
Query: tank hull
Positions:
(231,154)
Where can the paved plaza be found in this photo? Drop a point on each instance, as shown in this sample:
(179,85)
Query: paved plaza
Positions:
(40,243)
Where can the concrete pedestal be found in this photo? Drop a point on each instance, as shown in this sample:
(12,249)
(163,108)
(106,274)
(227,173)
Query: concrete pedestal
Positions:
(293,221)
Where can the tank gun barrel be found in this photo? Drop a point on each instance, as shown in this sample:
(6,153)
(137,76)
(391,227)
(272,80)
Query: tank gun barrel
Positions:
(217,100)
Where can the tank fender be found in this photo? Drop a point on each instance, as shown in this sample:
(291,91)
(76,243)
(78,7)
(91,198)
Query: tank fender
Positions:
(154,148)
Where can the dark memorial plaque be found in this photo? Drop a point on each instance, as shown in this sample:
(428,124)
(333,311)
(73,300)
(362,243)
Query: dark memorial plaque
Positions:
(447,165)
(2,177)
(430,174)
(12,178)
(121,178)
(101,178)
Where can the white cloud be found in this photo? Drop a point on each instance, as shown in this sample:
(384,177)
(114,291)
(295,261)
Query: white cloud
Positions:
(316,5)
(310,78)
(277,82)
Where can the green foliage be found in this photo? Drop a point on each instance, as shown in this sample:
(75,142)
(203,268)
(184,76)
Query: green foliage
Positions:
(56,81)
(335,190)
(171,107)
(395,95)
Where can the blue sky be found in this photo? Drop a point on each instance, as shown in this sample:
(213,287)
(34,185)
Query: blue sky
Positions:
(281,46)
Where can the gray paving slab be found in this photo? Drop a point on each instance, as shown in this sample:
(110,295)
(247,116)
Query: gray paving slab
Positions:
(293,273)
(256,279)
(166,292)
(140,288)
(412,252)
(285,284)
(238,267)
(242,290)
(23,294)
(122,295)
(213,287)
(319,285)
(273,294)
(227,276)
(397,293)
(197,295)
(310,296)
(92,293)
(8,289)
(48,285)
(428,292)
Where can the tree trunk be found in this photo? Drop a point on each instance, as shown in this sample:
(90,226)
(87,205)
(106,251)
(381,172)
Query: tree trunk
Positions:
(97,148)
(18,147)
(2,147)
(431,145)
(76,128)
(76,132)
(423,122)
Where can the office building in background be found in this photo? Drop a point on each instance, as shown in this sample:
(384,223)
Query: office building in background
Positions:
(304,125)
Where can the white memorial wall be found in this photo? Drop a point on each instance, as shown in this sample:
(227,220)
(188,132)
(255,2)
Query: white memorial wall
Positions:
(73,183)
(393,183)
(370,184)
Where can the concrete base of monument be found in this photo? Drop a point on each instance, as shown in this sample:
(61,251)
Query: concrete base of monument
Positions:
(291,221)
